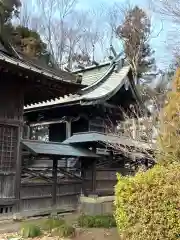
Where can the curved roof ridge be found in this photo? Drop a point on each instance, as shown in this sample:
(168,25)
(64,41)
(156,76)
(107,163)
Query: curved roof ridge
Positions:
(109,87)
(116,61)
(91,67)
(98,82)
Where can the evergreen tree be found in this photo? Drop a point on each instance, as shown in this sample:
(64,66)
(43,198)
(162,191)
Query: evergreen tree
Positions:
(8,8)
(28,42)
(135,32)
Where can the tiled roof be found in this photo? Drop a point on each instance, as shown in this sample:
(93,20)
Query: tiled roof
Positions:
(106,138)
(92,74)
(100,90)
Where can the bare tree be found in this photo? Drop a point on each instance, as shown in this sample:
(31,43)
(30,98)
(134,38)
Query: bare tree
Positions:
(75,31)
(51,17)
(169,11)
(137,135)
(92,37)
(72,36)
(25,15)
(138,131)
(167,8)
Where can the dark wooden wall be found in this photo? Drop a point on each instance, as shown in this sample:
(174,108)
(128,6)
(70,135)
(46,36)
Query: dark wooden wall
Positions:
(11,120)
(38,196)
(11,99)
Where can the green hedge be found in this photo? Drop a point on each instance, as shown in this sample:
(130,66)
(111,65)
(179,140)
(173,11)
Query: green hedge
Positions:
(147,206)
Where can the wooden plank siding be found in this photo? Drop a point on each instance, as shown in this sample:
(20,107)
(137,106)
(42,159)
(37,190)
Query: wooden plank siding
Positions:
(36,197)
(11,120)
(105,180)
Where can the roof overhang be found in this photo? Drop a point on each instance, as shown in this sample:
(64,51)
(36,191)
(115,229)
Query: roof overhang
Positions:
(97,93)
(54,149)
(40,84)
(90,137)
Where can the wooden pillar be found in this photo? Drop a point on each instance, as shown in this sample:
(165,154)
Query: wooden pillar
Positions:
(94,176)
(26,132)
(66,166)
(68,129)
(54,185)
(94,163)
(18,172)
(111,155)
(83,176)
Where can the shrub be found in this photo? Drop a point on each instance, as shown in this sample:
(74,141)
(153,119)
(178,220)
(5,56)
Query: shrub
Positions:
(52,223)
(99,221)
(30,231)
(148,205)
(64,231)
(168,150)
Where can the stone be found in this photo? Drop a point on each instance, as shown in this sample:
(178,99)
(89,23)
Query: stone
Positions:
(96,205)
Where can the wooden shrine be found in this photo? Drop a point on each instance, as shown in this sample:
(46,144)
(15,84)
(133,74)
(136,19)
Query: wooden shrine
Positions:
(97,107)
(88,119)
(22,82)
(37,177)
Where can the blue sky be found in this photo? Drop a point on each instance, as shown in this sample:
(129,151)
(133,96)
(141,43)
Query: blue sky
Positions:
(160,28)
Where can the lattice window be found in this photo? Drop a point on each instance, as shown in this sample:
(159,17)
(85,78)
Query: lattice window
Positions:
(8,147)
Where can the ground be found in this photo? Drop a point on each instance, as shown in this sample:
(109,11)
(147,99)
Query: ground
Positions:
(98,234)
(85,234)
(10,228)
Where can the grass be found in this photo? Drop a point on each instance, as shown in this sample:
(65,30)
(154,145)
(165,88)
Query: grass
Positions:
(64,226)
(99,221)
(52,223)
(64,230)
(30,231)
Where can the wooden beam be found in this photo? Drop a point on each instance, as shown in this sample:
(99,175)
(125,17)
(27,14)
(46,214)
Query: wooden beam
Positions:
(50,122)
(35,174)
(11,122)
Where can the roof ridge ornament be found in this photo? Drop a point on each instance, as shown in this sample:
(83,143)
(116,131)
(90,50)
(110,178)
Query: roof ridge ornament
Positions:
(112,49)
